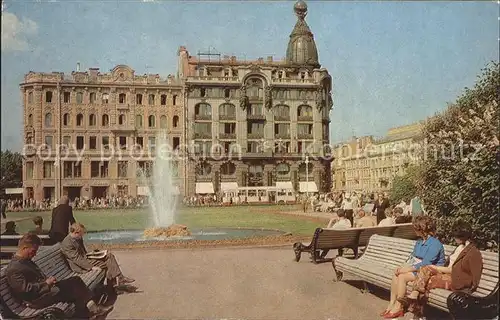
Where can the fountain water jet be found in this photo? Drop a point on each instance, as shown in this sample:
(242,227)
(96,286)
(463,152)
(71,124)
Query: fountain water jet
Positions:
(162,193)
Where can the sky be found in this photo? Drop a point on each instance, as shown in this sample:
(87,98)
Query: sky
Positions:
(392,63)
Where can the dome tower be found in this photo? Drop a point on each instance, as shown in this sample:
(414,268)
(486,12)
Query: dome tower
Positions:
(301,46)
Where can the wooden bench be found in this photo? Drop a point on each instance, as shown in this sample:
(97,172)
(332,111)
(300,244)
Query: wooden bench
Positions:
(8,244)
(384,254)
(354,238)
(52,263)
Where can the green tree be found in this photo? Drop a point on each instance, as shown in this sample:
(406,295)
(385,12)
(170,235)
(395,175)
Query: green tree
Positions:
(461,161)
(404,187)
(11,170)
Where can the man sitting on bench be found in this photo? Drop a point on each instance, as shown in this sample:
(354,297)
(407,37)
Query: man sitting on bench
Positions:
(74,251)
(30,285)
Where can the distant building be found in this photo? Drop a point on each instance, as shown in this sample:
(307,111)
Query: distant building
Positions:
(234,123)
(368,164)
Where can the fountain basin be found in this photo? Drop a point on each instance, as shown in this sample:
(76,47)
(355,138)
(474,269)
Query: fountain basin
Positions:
(137,236)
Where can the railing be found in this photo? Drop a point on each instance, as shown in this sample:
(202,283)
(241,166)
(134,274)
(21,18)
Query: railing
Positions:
(281,118)
(304,136)
(203,117)
(123,128)
(282,135)
(227,135)
(256,117)
(255,135)
(304,118)
(212,78)
(203,135)
(294,81)
(227,117)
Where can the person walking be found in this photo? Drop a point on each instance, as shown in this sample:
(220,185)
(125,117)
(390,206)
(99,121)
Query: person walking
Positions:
(3,208)
(62,218)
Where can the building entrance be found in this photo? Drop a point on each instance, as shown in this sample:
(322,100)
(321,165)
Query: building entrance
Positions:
(99,192)
(73,192)
(49,193)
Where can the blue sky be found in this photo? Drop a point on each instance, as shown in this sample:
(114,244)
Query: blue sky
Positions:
(392,63)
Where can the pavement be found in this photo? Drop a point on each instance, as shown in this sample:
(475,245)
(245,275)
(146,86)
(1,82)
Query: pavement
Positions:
(237,283)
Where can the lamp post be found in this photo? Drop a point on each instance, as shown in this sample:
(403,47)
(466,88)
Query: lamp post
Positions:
(56,184)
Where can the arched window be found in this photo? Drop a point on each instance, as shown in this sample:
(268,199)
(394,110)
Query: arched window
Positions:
(282,111)
(122,98)
(92,120)
(138,99)
(227,168)
(163,99)
(302,168)
(163,122)
(30,97)
(79,119)
(175,121)
(304,111)
(254,88)
(138,121)
(30,120)
(203,109)
(203,169)
(282,169)
(151,121)
(105,98)
(227,110)
(66,119)
(48,120)
(121,119)
(105,120)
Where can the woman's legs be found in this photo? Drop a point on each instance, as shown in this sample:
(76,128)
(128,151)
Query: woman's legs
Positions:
(394,291)
(403,279)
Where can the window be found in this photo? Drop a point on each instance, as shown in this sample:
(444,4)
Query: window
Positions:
(227,128)
(80,143)
(48,96)
(105,98)
(29,170)
(67,141)
(227,168)
(282,169)
(203,92)
(30,98)
(203,129)
(121,119)
(30,120)
(105,120)
(255,109)
(305,129)
(282,147)
(48,168)
(105,143)
(174,99)
(67,97)
(48,141)
(302,168)
(304,111)
(255,89)
(203,109)
(123,142)
(227,93)
(139,141)
(152,143)
(122,169)
(48,120)
(227,110)
(163,122)
(72,169)
(104,169)
(203,169)
(151,99)
(92,120)
(176,143)
(145,168)
(79,120)
(151,121)
(138,99)
(255,147)
(163,99)
(281,129)
(282,111)
(94,169)
(256,128)
(175,121)
(92,97)
(122,97)
(79,97)
(66,119)
(92,143)
(138,121)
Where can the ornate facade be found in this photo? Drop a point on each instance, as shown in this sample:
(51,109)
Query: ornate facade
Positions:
(234,123)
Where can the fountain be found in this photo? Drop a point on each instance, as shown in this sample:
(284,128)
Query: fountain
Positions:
(162,194)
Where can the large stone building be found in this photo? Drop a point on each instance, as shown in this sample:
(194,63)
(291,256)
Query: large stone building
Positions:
(369,165)
(234,122)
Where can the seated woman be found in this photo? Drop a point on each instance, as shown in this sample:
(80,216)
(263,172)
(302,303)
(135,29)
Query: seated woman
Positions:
(462,272)
(427,251)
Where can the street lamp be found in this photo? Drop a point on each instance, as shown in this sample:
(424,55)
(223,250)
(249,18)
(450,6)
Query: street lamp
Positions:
(307,177)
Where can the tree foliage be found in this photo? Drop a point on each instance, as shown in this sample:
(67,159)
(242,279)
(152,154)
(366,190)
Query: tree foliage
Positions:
(11,170)
(461,153)
(404,187)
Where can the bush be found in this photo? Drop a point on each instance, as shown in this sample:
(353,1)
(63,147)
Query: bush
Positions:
(461,162)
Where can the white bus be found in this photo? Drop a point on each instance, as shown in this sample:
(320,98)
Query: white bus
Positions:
(270,194)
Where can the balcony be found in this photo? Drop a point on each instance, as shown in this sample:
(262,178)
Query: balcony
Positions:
(304,118)
(203,117)
(123,128)
(256,117)
(227,135)
(203,135)
(293,81)
(258,155)
(255,135)
(304,136)
(122,106)
(212,79)
(29,151)
(281,118)
(282,135)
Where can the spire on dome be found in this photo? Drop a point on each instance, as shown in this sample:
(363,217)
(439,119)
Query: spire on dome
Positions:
(301,46)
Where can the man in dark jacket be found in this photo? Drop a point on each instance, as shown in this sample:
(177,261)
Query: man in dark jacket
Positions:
(3,208)
(62,218)
(381,204)
(28,283)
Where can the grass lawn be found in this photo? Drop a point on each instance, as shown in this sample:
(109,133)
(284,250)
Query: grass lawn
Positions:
(195,217)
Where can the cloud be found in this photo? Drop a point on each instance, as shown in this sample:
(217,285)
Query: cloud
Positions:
(15,32)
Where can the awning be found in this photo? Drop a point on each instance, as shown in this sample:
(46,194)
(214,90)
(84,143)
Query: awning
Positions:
(308,186)
(13,190)
(284,185)
(229,186)
(204,187)
(142,191)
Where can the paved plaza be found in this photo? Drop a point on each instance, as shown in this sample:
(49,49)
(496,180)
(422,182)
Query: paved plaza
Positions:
(237,283)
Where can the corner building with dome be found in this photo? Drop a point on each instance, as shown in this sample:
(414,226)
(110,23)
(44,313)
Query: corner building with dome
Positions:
(235,123)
